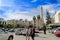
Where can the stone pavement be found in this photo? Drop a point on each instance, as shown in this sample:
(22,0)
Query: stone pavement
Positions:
(39,36)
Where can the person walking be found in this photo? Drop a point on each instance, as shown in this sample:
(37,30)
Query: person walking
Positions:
(44,29)
(27,34)
(32,33)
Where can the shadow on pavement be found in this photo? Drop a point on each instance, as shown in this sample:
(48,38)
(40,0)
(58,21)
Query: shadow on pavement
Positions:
(42,37)
(41,32)
(36,35)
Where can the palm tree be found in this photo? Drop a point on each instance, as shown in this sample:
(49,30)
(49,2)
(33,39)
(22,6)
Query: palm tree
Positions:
(38,18)
(34,18)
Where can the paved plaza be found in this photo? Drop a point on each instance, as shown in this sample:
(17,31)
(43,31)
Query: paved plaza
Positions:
(39,36)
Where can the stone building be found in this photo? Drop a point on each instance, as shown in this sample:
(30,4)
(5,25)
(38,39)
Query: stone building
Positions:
(2,21)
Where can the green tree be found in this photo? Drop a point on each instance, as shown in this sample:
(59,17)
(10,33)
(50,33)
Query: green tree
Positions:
(17,26)
(38,18)
(48,18)
(1,25)
(14,25)
(34,19)
(5,25)
(9,26)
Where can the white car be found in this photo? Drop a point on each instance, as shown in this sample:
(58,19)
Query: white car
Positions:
(21,31)
(53,31)
(5,35)
(25,31)
(18,31)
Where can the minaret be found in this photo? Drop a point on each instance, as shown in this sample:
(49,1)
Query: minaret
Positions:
(41,16)
(41,12)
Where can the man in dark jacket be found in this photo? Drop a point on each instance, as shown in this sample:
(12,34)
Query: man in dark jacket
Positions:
(32,33)
(44,29)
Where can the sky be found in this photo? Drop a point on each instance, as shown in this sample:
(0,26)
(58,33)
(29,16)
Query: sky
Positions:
(26,9)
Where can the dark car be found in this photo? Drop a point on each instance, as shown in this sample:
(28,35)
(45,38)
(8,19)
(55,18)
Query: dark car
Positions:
(11,30)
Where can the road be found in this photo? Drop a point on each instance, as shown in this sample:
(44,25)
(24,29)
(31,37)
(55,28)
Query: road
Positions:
(39,36)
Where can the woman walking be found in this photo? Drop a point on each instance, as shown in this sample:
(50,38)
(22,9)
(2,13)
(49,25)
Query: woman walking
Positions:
(32,33)
(27,34)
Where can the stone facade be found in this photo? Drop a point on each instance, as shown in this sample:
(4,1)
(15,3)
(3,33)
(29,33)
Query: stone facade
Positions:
(2,21)
(57,17)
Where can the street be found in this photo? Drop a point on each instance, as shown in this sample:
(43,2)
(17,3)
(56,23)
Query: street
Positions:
(39,36)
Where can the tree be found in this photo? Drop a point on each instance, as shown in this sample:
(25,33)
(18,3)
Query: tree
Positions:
(34,18)
(48,18)
(5,25)
(38,18)
(1,25)
(9,26)
(14,25)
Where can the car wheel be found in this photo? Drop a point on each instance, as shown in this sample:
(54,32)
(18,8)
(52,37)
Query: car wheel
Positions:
(10,38)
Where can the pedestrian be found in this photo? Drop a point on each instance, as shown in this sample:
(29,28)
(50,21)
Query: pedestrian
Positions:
(44,29)
(32,33)
(27,34)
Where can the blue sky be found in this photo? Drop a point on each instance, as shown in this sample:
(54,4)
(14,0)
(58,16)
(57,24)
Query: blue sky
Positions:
(26,9)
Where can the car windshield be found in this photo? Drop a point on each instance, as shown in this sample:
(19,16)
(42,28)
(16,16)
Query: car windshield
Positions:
(1,31)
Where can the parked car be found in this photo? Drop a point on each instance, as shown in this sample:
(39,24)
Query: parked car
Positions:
(11,30)
(6,29)
(21,32)
(18,31)
(5,35)
(40,28)
(3,29)
(36,30)
(53,30)
(24,32)
(57,33)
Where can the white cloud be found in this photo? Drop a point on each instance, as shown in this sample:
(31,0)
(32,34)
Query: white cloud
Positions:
(14,15)
(1,16)
(28,14)
(6,3)
(51,11)
(58,11)
(54,7)
(21,14)
(48,7)
(0,2)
